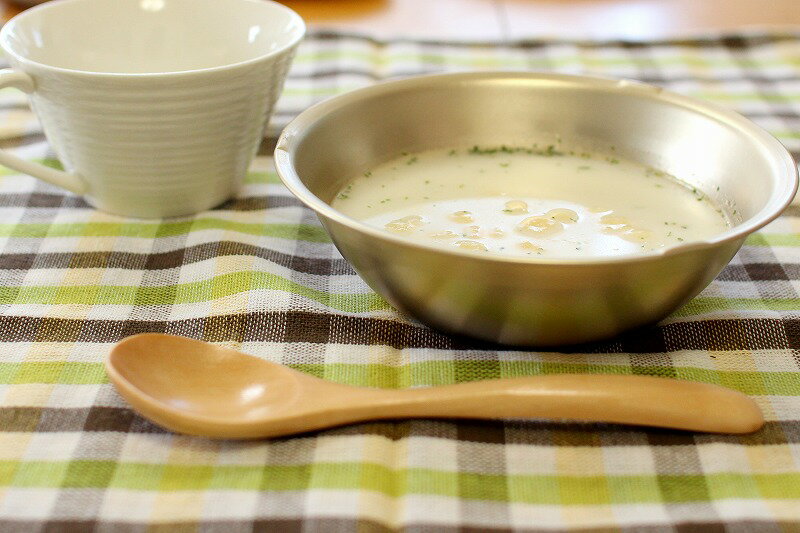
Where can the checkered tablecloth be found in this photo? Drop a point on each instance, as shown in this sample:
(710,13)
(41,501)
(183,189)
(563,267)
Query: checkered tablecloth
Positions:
(259,274)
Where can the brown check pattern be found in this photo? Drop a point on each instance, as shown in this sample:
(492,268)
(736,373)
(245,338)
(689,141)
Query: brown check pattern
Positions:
(259,274)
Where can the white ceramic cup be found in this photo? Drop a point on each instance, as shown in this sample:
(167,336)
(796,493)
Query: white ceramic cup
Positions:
(154,107)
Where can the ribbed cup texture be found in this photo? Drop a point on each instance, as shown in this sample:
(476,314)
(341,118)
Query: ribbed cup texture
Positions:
(162,144)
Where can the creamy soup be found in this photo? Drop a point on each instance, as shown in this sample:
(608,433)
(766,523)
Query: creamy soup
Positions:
(530,202)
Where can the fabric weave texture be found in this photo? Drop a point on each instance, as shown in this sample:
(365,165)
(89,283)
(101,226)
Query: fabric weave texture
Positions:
(259,274)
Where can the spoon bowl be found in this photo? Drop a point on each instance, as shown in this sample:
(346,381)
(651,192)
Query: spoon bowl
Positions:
(197,388)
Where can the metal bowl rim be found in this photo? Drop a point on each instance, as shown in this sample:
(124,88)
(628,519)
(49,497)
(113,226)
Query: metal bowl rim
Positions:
(293,134)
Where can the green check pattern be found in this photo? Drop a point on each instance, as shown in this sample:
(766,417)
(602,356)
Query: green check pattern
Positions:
(259,274)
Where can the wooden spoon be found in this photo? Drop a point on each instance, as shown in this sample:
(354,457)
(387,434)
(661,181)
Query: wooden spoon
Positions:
(197,388)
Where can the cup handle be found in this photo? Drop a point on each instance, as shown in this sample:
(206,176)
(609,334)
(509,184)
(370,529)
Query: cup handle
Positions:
(65,180)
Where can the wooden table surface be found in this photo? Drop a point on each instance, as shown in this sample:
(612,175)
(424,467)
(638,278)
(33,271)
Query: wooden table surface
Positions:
(513,19)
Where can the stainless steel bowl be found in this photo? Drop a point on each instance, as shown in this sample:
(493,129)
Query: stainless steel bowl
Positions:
(534,301)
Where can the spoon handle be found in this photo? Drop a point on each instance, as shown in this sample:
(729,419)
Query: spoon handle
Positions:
(637,400)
